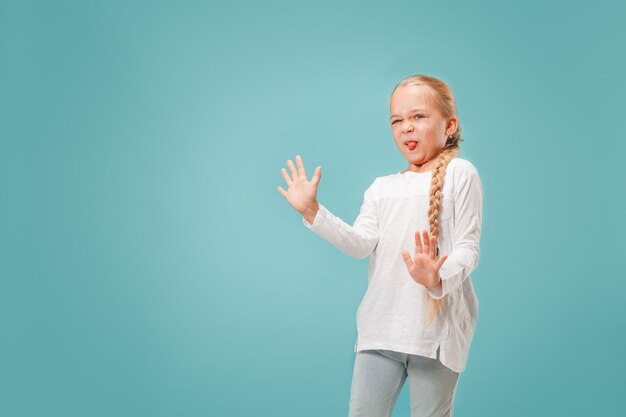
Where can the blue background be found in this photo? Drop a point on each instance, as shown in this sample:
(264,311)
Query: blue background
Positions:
(149,266)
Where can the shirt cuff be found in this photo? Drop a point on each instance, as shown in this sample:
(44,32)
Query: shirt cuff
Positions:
(437,292)
(318,218)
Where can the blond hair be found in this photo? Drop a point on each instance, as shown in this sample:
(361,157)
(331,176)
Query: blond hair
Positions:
(444,99)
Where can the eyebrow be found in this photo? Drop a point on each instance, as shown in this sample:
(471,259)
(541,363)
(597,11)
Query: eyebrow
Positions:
(413,110)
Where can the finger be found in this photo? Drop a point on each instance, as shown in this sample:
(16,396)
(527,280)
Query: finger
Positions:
(282,191)
(286,176)
(433,247)
(292,167)
(300,165)
(407,259)
(426,242)
(418,242)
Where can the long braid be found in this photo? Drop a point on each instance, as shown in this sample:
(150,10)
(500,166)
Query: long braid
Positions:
(436,195)
(444,99)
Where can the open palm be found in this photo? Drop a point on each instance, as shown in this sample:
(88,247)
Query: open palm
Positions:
(424,267)
(301,193)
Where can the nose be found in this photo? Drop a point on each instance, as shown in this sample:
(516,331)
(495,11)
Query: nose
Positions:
(407,126)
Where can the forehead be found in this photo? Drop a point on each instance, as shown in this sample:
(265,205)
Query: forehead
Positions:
(410,97)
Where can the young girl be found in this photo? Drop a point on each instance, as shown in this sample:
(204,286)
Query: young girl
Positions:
(419,312)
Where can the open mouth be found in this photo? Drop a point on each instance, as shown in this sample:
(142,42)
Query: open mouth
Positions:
(410,144)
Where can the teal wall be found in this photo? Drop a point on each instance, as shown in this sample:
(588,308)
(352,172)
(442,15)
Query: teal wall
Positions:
(149,267)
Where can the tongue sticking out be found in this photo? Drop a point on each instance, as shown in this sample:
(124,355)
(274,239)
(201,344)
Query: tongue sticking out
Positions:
(411,145)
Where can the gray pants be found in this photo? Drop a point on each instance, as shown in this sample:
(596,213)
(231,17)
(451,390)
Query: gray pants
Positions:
(380,374)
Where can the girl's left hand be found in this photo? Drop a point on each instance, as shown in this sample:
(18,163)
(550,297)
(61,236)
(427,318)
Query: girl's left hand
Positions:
(424,269)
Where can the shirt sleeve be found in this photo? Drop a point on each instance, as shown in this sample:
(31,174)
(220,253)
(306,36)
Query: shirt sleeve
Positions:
(463,259)
(358,240)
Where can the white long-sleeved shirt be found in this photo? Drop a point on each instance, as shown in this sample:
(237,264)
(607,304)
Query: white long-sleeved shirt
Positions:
(394,311)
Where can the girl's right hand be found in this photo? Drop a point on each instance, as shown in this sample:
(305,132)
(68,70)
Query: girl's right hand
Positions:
(301,193)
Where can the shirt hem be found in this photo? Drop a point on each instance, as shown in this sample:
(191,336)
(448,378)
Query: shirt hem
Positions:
(428,352)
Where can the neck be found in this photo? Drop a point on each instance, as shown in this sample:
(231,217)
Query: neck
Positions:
(424,167)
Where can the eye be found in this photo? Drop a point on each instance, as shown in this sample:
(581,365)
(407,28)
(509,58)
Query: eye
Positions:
(417,116)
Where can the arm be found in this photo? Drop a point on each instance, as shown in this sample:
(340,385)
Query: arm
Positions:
(358,240)
(463,259)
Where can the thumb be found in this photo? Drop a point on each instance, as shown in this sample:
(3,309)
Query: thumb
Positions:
(407,259)
(441,261)
(317,175)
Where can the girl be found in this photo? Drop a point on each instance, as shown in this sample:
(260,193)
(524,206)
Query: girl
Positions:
(418,315)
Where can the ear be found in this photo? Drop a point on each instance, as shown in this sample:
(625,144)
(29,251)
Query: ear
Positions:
(452,125)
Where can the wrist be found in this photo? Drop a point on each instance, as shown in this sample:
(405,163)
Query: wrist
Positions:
(310,212)
(438,283)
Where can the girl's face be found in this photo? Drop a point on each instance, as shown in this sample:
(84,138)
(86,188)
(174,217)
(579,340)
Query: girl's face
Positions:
(415,117)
